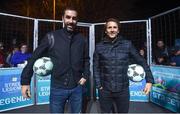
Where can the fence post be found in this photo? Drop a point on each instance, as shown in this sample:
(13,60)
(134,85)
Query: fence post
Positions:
(149,42)
(35,38)
(91,51)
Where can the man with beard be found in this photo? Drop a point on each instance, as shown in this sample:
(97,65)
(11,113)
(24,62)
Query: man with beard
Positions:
(70,56)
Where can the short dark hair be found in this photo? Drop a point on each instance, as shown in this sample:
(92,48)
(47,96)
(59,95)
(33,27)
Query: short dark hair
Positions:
(22,44)
(113,20)
(69,8)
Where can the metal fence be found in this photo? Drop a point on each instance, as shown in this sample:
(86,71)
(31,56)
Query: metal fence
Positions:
(166,27)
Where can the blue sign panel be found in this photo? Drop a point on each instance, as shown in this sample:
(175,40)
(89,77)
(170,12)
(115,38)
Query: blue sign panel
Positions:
(10,90)
(166,90)
(136,91)
(43,89)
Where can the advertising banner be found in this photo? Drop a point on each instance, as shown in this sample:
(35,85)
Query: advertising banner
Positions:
(166,90)
(43,89)
(10,90)
(136,91)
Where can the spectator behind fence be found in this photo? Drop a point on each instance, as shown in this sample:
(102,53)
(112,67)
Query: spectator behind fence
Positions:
(161,53)
(175,58)
(1,55)
(21,56)
(10,54)
(143,50)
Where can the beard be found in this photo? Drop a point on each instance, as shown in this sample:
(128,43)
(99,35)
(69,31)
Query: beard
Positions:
(70,27)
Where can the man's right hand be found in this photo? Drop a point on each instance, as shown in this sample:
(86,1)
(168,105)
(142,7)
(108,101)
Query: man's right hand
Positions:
(25,90)
(101,88)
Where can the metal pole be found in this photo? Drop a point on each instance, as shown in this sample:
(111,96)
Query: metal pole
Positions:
(91,51)
(27,14)
(54,13)
(150,41)
(165,12)
(35,44)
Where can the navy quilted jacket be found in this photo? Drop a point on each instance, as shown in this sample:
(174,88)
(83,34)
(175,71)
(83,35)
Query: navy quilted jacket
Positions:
(111,60)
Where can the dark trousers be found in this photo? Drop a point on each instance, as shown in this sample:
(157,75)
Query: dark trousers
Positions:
(121,100)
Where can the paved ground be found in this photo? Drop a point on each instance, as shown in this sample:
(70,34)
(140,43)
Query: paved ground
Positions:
(93,107)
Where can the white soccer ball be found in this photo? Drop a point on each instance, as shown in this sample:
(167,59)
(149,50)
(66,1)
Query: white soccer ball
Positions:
(136,73)
(43,66)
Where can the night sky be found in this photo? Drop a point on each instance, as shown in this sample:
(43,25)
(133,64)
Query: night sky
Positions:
(91,10)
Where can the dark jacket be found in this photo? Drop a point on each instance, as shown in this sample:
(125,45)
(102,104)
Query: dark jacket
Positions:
(111,60)
(162,53)
(69,54)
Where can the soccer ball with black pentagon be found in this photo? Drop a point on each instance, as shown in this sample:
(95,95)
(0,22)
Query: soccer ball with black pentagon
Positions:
(136,73)
(43,66)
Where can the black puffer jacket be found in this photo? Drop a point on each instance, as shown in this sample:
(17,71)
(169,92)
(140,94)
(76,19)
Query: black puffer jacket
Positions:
(111,60)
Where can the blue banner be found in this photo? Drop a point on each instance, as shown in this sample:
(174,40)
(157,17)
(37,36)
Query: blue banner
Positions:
(166,90)
(10,90)
(136,91)
(43,89)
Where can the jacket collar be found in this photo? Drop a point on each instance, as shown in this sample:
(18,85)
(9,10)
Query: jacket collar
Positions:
(118,39)
(68,33)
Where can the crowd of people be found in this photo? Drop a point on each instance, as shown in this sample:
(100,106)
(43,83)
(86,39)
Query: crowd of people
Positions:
(16,55)
(162,54)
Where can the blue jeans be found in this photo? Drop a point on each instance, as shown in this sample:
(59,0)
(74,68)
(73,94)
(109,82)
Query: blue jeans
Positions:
(58,98)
